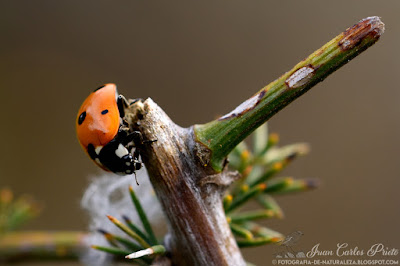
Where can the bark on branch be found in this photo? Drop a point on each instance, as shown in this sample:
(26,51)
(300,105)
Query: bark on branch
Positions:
(189,192)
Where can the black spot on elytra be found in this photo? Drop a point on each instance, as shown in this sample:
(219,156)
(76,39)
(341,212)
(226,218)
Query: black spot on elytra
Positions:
(81,118)
(91,151)
(105,111)
(99,88)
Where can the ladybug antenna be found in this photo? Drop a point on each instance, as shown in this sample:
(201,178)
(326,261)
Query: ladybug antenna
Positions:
(137,183)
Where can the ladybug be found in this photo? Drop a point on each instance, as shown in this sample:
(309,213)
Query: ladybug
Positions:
(104,134)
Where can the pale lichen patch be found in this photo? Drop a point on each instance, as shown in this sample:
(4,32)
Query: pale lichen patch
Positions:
(300,77)
(246,105)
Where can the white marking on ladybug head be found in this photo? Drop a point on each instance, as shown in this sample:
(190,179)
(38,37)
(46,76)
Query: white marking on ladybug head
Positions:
(128,171)
(98,149)
(121,151)
(128,163)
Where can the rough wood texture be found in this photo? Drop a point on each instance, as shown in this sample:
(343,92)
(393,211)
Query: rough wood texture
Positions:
(189,192)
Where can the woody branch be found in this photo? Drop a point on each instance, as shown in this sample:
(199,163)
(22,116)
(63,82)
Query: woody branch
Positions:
(187,165)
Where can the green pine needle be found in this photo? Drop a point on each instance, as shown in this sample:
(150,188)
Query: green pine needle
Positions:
(143,217)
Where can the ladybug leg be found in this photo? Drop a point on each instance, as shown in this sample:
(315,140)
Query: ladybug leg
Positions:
(137,164)
(137,138)
(149,141)
(137,183)
(122,135)
(131,140)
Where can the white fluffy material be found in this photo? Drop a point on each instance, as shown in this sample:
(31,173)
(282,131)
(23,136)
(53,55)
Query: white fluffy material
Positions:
(108,194)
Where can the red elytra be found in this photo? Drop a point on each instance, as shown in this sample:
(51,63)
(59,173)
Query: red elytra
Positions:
(98,118)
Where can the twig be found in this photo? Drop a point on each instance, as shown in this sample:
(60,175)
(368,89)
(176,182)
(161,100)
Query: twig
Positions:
(223,134)
(187,166)
(27,245)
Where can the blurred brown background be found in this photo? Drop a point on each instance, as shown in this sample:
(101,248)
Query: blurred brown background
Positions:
(197,61)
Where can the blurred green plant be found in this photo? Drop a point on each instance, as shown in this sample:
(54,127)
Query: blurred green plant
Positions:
(16,245)
(185,160)
(259,167)
(14,212)
(138,244)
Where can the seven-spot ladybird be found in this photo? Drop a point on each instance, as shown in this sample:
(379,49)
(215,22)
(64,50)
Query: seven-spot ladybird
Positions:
(103,133)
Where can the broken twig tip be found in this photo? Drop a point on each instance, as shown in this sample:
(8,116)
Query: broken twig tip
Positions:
(376,24)
(371,27)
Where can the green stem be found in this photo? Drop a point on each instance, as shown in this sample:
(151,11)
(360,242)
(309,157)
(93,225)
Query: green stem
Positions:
(223,134)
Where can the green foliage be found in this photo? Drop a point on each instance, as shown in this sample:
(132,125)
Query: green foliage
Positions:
(222,135)
(259,168)
(14,212)
(140,245)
